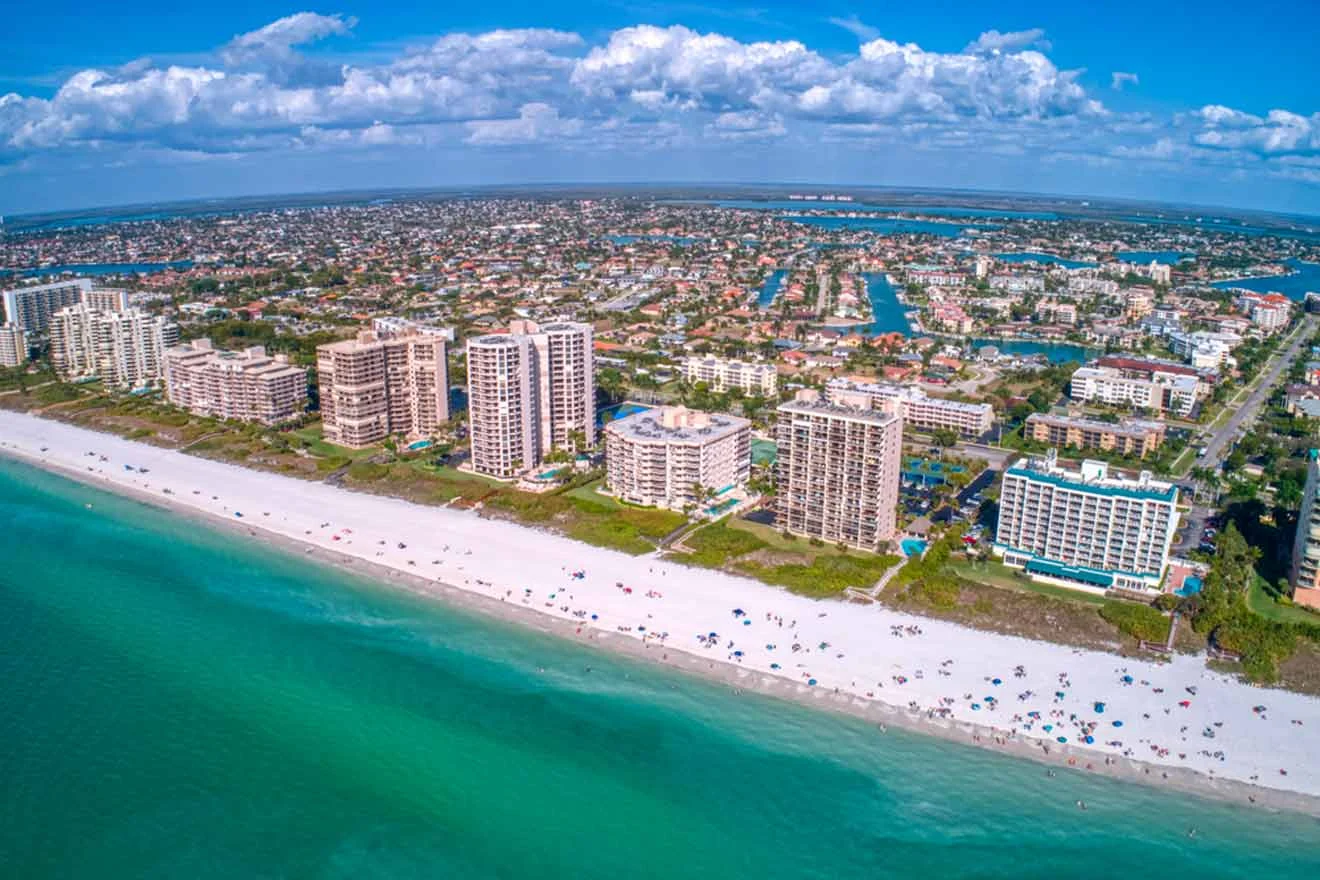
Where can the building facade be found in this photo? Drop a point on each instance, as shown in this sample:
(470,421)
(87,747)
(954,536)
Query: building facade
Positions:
(1160,393)
(13,345)
(382,384)
(247,385)
(838,471)
(123,349)
(1085,528)
(530,391)
(1305,571)
(503,425)
(676,458)
(722,374)
(916,408)
(1129,437)
(31,308)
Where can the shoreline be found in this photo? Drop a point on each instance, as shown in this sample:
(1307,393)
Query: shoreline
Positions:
(739,678)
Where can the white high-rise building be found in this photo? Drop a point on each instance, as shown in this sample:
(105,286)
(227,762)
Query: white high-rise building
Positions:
(123,349)
(502,405)
(13,345)
(1086,528)
(662,458)
(530,391)
(31,307)
(838,470)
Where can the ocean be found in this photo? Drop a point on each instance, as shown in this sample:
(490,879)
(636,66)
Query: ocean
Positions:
(184,702)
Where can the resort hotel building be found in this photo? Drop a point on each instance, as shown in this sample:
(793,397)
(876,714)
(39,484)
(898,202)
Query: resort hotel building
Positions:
(838,470)
(382,384)
(1130,437)
(1086,528)
(31,308)
(13,345)
(530,391)
(721,375)
(246,385)
(124,349)
(1150,385)
(677,458)
(1305,573)
(916,408)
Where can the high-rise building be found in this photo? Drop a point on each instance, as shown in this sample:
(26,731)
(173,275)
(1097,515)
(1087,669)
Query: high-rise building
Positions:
(502,405)
(838,470)
(1086,528)
(13,345)
(722,374)
(676,458)
(249,385)
(566,382)
(381,384)
(917,408)
(123,349)
(105,299)
(31,307)
(530,391)
(1305,573)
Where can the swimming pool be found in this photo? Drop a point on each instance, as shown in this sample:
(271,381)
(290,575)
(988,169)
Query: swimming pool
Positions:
(912,546)
(717,509)
(1191,585)
(420,444)
(620,411)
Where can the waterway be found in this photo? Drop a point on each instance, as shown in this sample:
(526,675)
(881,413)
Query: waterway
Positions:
(1305,277)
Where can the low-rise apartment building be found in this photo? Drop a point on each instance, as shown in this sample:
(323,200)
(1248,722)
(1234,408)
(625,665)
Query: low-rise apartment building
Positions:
(1128,437)
(676,458)
(916,407)
(246,385)
(722,374)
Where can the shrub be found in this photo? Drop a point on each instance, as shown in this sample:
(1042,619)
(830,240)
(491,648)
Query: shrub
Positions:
(1137,621)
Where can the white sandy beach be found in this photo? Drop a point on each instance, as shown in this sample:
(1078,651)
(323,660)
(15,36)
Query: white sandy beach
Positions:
(875,658)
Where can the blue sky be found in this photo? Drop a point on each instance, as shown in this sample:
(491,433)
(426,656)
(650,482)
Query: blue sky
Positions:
(143,101)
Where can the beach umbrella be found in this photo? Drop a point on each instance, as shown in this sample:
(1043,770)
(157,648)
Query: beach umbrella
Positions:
(737,653)
(996,682)
(1048,727)
(976,707)
(594,617)
(774,665)
(747,622)
(1060,694)
(1127,679)
(1089,740)
(1118,723)
(1100,707)
(1063,739)
(811,681)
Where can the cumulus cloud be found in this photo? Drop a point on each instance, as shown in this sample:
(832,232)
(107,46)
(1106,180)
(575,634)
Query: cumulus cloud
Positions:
(992,42)
(535,123)
(637,88)
(1118,79)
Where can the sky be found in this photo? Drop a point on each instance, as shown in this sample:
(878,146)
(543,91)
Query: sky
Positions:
(1208,103)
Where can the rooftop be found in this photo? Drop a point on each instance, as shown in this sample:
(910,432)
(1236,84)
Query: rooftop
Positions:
(676,424)
(1093,476)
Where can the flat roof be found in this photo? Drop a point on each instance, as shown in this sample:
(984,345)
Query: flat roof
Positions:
(1118,487)
(647,426)
(820,408)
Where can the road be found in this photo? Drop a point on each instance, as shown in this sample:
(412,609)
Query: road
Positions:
(1245,407)
(1219,444)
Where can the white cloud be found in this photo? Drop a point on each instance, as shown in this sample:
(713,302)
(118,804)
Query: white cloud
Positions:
(1119,78)
(993,42)
(747,125)
(1279,133)
(535,123)
(855,26)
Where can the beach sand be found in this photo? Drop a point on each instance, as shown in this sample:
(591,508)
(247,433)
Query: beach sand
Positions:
(890,668)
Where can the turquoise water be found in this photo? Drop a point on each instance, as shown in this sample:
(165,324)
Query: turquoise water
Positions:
(1171,258)
(887,226)
(619,411)
(1043,259)
(1305,277)
(1055,352)
(770,288)
(180,703)
(888,315)
(912,546)
(107,268)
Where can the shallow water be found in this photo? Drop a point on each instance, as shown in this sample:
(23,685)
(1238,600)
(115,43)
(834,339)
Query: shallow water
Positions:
(179,702)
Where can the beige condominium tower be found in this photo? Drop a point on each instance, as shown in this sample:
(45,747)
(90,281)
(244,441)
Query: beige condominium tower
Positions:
(838,470)
(382,384)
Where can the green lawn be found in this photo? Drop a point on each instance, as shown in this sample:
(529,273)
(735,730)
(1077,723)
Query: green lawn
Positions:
(1263,603)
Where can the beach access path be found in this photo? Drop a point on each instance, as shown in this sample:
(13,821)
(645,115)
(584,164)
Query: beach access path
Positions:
(1175,723)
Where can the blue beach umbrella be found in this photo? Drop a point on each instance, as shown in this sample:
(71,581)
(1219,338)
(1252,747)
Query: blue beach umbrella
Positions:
(1118,723)
(811,681)
(1063,739)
